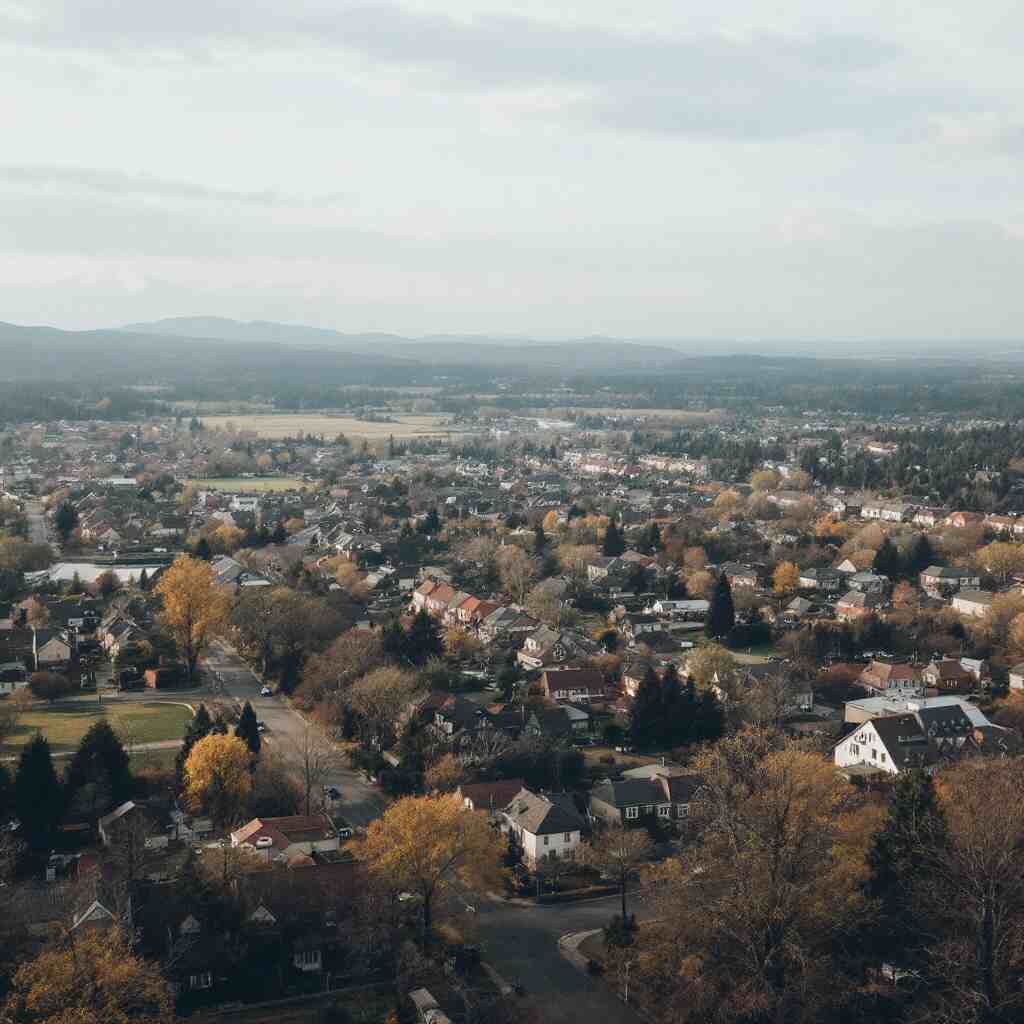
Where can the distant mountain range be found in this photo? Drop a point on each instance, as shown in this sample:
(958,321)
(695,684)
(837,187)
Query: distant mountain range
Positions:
(432,350)
(208,350)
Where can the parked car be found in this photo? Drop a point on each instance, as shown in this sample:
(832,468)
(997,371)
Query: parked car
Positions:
(266,691)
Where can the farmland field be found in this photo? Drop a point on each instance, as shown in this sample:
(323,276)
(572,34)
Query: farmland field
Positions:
(681,415)
(64,724)
(244,483)
(291,424)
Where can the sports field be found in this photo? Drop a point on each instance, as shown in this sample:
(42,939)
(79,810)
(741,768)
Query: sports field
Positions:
(277,425)
(65,723)
(243,483)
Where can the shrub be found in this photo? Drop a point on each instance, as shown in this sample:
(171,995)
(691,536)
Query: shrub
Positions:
(620,931)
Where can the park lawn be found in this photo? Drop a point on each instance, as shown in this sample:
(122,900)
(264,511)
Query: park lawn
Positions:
(65,724)
(253,484)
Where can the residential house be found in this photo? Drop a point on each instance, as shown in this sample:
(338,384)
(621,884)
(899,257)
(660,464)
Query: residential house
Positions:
(573,684)
(663,792)
(868,582)
(688,610)
(915,739)
(1017,676)
(742,576)
(13,676)
(544,824)
(888,511)
(975,603)
(890,679)
(828,581)
(489,796)
(856,604)
(284,838)
(947,675)
(50,648)
(943,581)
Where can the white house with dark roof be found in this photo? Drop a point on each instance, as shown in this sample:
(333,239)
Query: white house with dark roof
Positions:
(544,824)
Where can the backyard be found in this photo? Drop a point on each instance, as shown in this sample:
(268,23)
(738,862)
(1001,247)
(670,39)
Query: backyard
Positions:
(64,724)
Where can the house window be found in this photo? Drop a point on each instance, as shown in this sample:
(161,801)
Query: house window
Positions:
(854,749)
(874,754)
(632,812)
(683,810)
(546,839)
(648,808)
(308,958)
(883,757)
(664,810)
(202,980)
(567,838)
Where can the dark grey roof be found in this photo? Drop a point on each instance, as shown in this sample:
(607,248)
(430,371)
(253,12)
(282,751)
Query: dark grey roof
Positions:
(630,792)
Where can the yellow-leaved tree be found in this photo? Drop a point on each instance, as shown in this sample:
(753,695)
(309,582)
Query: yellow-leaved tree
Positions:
(217,778)
(786,578)
(89,977)
(424,843)
(194,609)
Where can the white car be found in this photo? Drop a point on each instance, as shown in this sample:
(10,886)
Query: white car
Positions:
(266,691)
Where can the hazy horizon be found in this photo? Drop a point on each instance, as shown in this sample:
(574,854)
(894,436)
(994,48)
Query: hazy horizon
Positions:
(739,174)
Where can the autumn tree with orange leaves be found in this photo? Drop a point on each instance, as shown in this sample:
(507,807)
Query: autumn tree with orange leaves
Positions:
(91,976)
(424,844)
(194,607)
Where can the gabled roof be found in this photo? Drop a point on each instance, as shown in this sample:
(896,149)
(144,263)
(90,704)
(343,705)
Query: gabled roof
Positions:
(544,813)
(630,793)
(491,794)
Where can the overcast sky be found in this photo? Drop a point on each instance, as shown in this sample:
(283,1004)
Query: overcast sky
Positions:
(661,169)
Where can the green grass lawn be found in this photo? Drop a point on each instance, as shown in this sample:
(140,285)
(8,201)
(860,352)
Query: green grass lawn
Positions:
(65,724)
(238,483)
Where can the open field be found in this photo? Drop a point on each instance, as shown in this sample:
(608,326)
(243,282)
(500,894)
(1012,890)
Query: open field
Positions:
(679,415)
(64,724)
(243,483)
(406,425)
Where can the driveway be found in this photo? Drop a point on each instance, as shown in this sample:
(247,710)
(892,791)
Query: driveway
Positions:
(521,943)
(360,802)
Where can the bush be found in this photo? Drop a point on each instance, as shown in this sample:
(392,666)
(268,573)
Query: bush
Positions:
(620,931)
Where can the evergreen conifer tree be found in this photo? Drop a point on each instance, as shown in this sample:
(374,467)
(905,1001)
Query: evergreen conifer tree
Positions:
(38,798)
(200,726)
(887,559)
(915,823)
(614,543)
(721,614)
(247,729)
(647,712)
(100,760)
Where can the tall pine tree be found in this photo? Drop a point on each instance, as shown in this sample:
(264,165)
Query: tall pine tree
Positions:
(721,618)
(614,543)
(248,730)
(101,761)
(424,641)
(647,712)
(38,798)
(887,559)
(915,824)
(200,726)
(920,556)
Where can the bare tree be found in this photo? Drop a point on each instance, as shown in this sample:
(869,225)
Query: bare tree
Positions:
(619,852)
(379,699)
(315,758)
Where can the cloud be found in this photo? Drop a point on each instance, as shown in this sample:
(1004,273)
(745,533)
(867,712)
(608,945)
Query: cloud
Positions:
(758,86)
(118,184)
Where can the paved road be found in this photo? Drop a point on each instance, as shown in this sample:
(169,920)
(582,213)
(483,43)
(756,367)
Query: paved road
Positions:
(521,942)
(360,802)
(37,530)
